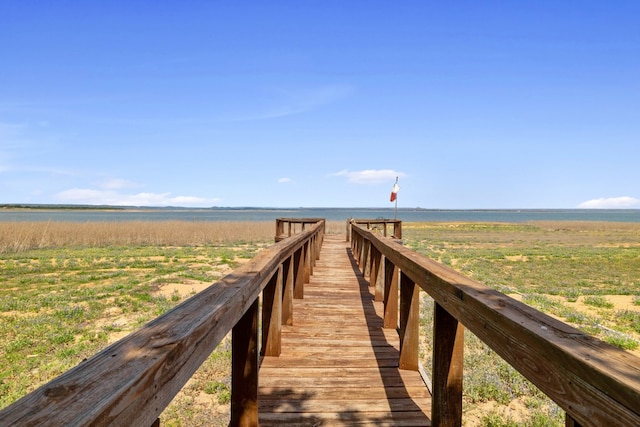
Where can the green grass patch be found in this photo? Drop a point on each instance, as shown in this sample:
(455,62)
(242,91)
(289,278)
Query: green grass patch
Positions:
(598,301)
(59,306)
(555,266)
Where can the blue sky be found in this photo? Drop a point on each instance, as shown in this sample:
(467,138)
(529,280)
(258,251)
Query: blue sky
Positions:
(472,104)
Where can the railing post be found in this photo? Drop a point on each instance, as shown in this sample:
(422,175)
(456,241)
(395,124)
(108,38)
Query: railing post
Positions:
(409,323)
(298,273)
(244,369)
(364,261)
(376,279)
(354,244)
(448,352)
(287,292)
(570,422)
(272,316)
(307,262)
(319,239)
(397,230)
(390,295)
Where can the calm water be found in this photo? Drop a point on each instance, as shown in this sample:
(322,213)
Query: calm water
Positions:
(335,214)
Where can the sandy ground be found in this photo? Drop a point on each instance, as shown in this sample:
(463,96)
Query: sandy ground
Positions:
(620,302)
(515,411)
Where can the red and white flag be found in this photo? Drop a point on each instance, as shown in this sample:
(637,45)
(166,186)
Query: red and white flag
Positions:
(394,191)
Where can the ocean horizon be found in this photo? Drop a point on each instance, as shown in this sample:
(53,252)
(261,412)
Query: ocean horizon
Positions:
(116,213)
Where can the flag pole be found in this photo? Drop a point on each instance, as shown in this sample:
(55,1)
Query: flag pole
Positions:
(395,212)
(394,198)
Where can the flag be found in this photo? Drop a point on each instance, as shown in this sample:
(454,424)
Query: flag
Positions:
(394,191)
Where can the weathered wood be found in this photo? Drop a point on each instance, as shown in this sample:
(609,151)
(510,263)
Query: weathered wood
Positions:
(397,226)
(591,380)
(244,369)
(287,292)
(291,226)
(409,323)
(570,422)
(298,274)
(448,362)
(376,279)
(390,294)
(348,417)
(306,267)
(272,316)
(380,280)
(338,365)
(130,382)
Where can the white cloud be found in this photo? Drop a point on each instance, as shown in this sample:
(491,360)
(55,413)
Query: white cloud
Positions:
(370,176)
(284,180)
(611,203)
(110,197)
(117,183)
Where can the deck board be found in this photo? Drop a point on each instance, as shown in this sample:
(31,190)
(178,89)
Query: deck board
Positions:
(338,365)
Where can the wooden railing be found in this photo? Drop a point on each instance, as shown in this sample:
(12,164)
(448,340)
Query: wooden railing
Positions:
(130,382)
(377,225)
(595,383)
(287,227)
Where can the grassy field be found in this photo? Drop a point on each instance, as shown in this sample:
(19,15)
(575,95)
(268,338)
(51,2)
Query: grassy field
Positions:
(69,289)
(586,274)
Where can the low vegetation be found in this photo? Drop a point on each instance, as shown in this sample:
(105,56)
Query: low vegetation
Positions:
(574,271)
(69,289)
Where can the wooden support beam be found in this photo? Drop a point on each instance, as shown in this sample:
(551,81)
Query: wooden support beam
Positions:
(375,260)
(376,279)
(272,316)
(390,295)
(409,323)
(287,292)
(244,369)
(298,273)
(570,422)
(448,352)
(306,270)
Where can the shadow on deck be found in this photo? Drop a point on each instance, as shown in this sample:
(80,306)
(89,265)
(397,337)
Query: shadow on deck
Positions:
(338,365)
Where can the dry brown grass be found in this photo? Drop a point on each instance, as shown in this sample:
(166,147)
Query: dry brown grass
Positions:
(23,236)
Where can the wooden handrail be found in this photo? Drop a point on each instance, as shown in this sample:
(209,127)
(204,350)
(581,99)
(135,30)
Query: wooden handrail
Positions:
(290,224)
(595,383)
(131,381)
(397,226)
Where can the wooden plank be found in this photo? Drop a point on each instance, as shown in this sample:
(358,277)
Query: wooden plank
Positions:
(338,365)
(360,405)
(343,393)
(346,417)
(329,361)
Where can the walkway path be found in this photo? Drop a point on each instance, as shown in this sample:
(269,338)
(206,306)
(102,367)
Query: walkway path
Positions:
(338,365)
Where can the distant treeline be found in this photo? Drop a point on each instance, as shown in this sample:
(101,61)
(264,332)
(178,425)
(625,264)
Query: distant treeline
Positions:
(50,207)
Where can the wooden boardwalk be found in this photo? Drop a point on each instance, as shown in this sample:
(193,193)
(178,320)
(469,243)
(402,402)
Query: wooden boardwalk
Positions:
(338,366)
